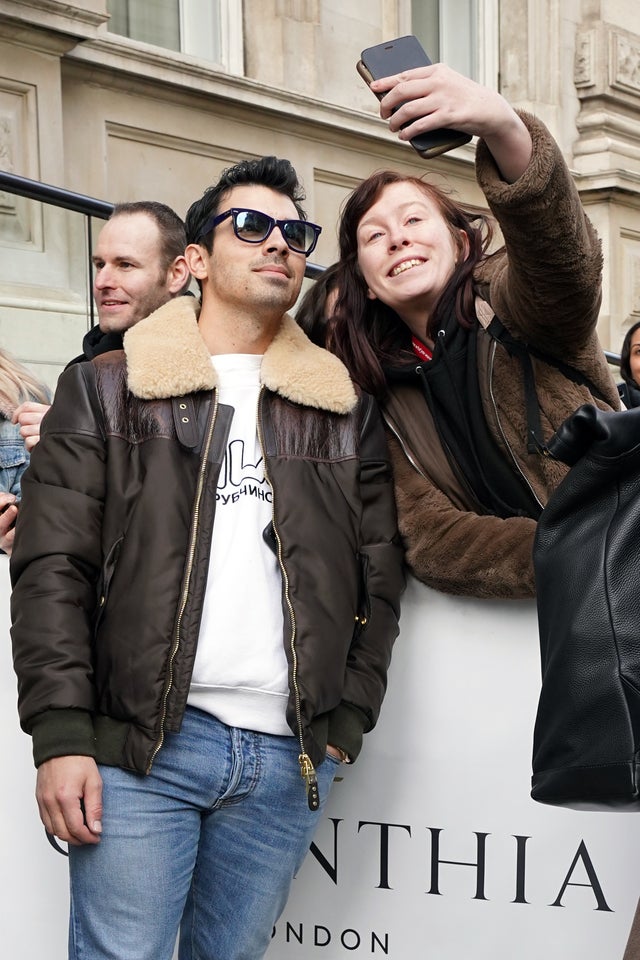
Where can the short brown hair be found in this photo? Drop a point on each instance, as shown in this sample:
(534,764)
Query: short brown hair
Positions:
(172,234)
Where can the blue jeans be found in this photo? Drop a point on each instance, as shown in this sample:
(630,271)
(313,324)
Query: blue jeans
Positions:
(207,844)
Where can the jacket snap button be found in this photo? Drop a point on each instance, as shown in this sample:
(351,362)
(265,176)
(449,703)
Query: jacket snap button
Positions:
(185,419)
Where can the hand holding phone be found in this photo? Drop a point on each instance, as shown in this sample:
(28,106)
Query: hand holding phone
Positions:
(395,56)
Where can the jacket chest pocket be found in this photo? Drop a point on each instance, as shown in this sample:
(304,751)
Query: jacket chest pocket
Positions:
(13,453)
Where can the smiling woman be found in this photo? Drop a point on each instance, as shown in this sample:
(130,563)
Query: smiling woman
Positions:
(476,358)
(407,251)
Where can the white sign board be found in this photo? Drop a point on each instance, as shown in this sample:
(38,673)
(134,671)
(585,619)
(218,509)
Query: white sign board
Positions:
(430,846)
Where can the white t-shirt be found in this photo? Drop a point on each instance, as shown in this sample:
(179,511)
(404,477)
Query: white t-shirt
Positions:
(240,671)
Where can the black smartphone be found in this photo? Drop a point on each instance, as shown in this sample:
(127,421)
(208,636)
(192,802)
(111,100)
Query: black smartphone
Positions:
(394,56)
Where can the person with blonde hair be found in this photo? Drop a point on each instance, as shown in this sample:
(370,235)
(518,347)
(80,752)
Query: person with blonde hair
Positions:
(17,385)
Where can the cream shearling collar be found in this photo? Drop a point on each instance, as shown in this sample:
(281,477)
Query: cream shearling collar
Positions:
(167,357)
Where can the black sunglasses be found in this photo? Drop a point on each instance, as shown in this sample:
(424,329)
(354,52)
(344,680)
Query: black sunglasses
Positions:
(252,226)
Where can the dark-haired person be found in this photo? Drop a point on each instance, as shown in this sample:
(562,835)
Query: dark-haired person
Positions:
(318,303)
(629,389)
(469,404)
(206,637)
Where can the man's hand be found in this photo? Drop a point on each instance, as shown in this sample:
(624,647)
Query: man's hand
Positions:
(69,795)
(8,514)
(29,415)
(337,753)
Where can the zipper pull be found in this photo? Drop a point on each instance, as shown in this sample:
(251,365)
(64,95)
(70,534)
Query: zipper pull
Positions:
(308,774)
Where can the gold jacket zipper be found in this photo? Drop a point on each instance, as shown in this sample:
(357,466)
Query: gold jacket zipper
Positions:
(307,770)
(186,583)
(414,462)
(407,452)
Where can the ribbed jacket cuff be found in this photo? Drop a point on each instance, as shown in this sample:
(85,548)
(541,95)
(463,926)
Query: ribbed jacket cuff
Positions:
(63,733)
(346,729)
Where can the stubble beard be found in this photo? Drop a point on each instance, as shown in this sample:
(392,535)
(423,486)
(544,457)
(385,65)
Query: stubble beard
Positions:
(136,310)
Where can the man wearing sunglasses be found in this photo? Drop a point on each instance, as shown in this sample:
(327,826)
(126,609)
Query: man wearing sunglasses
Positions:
(210,639)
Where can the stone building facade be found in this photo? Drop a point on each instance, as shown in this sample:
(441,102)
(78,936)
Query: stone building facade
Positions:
(151,99)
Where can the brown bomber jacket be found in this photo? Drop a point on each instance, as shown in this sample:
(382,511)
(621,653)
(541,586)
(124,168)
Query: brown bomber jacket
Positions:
(114,529)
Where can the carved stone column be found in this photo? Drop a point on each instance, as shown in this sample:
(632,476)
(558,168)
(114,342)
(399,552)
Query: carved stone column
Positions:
(607,79)
(607,160)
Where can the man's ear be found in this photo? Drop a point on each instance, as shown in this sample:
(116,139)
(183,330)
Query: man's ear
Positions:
(195,257)
(178,274)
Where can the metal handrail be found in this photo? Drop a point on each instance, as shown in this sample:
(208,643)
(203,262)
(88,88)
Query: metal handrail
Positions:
(68,200)
(58,196)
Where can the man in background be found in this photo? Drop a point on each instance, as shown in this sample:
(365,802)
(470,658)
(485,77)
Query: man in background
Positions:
(139,265)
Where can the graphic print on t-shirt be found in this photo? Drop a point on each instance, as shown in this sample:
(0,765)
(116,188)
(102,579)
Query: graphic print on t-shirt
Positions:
(242,474)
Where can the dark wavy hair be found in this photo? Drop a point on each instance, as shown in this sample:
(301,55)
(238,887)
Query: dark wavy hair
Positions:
(625,357)
(271,172)
(312,311)
(366,334)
